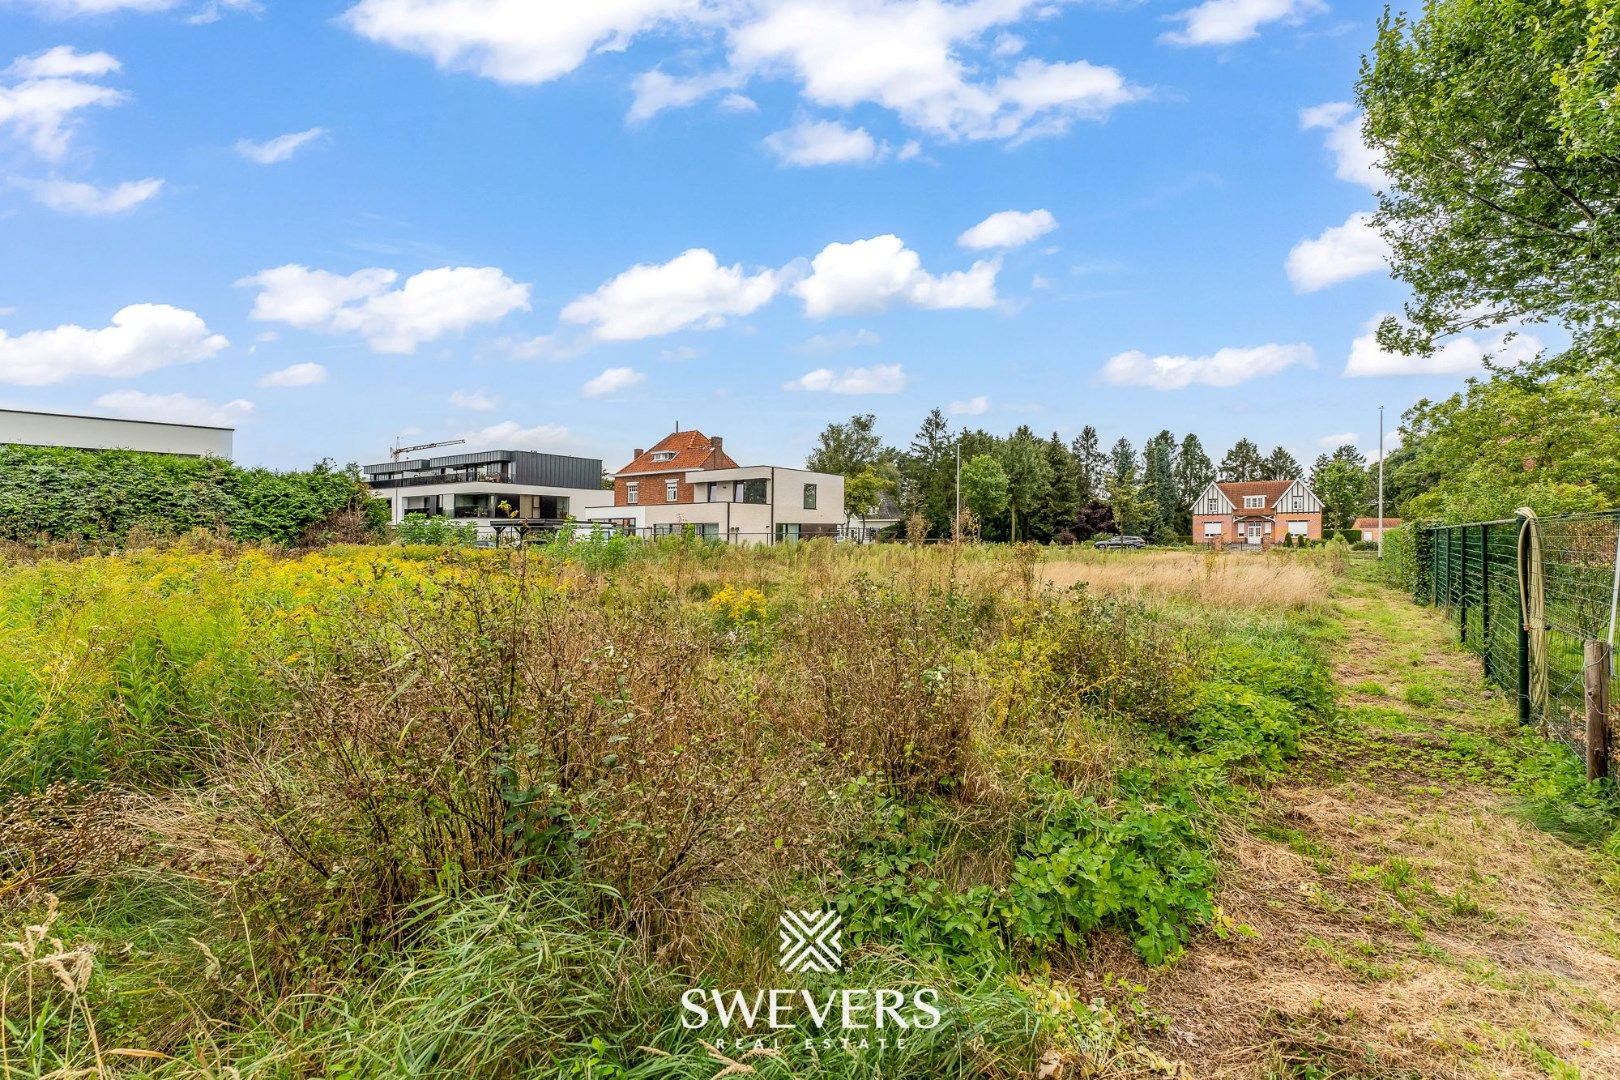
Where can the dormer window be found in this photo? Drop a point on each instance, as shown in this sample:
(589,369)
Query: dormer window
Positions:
(664,455)
(1254,502)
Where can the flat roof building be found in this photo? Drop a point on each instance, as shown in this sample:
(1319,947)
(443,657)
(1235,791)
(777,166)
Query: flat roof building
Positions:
(491,486)
(26,428)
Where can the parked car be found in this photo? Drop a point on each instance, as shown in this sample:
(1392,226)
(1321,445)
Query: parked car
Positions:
(1121,542)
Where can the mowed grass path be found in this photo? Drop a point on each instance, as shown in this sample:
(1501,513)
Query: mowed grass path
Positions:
(1408,919)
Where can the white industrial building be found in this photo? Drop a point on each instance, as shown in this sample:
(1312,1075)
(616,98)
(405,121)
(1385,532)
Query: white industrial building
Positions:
(27,428)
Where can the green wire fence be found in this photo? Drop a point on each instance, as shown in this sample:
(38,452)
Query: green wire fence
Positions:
(1477,574)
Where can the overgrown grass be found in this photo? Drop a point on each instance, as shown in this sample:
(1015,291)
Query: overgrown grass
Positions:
(408,812)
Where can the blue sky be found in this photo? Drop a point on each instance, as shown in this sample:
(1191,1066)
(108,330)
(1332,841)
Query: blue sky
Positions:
(332,224)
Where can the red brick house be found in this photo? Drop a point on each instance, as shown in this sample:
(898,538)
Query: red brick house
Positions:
(658,477)
(1371,527)
(1256,513)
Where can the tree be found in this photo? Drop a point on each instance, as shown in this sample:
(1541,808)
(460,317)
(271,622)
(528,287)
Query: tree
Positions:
(1095,517)
(1194,470)
(1024,460)
(1242,462)
(1057,506)
(1340,481)
(984,487)
(864,491)
(1538,437)
(849,450)
(928,474)
(1498,128)
(1159,486)
(1121,465)
(1280,465)
(1090,464)
(1132,510)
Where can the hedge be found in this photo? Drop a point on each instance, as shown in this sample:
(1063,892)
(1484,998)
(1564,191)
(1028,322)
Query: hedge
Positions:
(103,495)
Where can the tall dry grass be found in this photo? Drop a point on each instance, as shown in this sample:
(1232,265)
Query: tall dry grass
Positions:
(1272,581)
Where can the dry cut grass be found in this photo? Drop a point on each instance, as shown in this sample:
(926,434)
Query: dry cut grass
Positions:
(1277,580)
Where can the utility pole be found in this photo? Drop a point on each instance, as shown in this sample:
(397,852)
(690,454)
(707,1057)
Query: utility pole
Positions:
(956,523)
(1380,481)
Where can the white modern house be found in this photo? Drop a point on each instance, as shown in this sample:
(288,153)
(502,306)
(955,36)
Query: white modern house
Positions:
(686,483)
(75,432)
(492,487)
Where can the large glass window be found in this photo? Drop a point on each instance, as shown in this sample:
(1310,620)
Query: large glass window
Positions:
(751,491)
(809,496)
(786,532)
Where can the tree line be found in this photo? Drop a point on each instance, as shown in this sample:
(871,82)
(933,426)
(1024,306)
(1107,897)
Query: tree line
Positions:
(1022,486)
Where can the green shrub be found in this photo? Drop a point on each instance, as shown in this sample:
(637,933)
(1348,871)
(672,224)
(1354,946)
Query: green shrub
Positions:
(435,531)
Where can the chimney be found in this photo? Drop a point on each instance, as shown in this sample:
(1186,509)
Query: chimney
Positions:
(637,454)
(717,443)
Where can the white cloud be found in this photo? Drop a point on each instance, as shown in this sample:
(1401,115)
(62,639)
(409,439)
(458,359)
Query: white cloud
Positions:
(73,197)
(1225,367)
(305,374)
(278,149)
(474,400)
(46,91)
(1227,22)
(174,408)
(1463,354)
(870,275)
(427,306)
(513,41)
(904,55)
(692,290)
(612,381)
(511,435)
(973,406)
(1339,254)
(877,379)
(1008,229)
(1329,442)
(844,339)
(822,142)
(141,338)
(1353,159)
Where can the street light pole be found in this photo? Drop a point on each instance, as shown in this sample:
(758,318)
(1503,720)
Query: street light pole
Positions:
(1380,481)
(956,523)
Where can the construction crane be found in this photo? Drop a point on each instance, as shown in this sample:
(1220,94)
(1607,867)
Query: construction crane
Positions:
(400,451)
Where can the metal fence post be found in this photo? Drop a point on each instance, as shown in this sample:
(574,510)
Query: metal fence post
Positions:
(1524,631)
(1597,709)
(1485,594)
(1462,585)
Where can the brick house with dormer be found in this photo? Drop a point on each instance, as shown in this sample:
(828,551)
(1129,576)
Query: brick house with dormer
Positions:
(1256,513)
(661,476)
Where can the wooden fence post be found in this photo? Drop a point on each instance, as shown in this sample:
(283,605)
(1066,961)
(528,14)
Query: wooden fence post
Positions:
(1597,709)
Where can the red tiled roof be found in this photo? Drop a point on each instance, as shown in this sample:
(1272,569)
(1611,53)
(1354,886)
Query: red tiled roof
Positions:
(692,449)
(1271,489)
(1372,523)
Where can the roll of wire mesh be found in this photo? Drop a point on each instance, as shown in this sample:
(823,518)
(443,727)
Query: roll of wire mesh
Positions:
(1533,605)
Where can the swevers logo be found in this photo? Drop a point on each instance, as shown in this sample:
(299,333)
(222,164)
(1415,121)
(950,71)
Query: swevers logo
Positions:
(855,1018)
(810,941)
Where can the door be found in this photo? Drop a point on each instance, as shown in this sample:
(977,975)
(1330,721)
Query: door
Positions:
(1255,531)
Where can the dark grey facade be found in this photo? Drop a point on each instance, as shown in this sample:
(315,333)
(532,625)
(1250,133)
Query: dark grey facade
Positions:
(497,466)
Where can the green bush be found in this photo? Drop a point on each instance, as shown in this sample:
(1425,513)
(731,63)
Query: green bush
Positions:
(435,531)
(102,496)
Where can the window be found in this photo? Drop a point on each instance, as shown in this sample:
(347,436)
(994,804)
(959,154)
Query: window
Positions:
(1299,528)
(1299,502)
(786,533)
(809,496)
(672,491)
(1254,502)
(632,492)
(1212,528)
(751,491)
(664,455)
